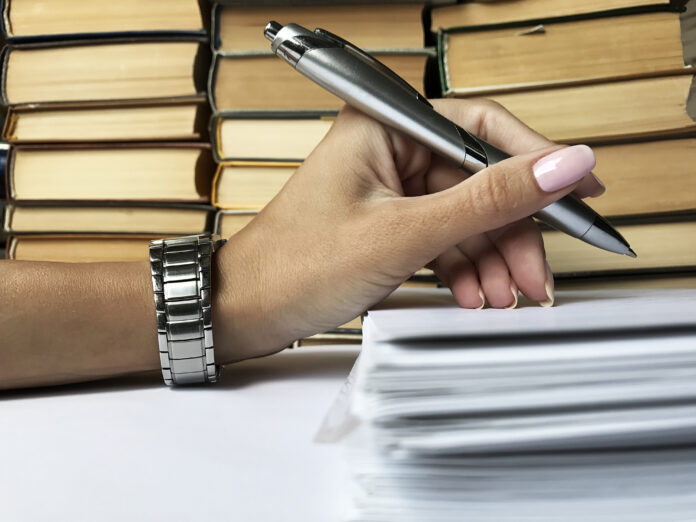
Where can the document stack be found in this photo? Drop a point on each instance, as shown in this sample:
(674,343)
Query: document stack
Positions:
(584,411)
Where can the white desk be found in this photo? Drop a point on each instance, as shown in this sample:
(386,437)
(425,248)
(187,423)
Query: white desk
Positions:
(132,449)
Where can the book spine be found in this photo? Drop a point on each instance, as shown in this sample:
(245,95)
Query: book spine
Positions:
(5,21)
(441,65)
(4,59)
(215,27)
(9,174)
(212,75)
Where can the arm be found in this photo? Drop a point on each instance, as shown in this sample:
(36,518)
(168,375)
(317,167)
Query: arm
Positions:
(366,210)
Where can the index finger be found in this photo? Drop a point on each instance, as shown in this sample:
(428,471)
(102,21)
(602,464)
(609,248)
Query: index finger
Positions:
(491,122)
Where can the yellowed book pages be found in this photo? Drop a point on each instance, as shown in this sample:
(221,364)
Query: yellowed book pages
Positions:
(658,245)
(101,72)
(143,220)
(229,222)
(276,139)
(471,14)
(646,177)
(239,27)
(252,83)
(46,17)
(563,54)
(240,185)
(132,123)
(169,174)
(599,112)
(79,250)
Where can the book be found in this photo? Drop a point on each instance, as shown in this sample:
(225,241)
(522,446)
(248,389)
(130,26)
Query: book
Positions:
(144,120)
(574,52)
(648,107)
(646,177)
(78,249)
(107,219)
(509,12)
(229,222)
(533,413)
(240,29)
(249,185)
(662,243)
(253,82)
(266,135)
(25,20)
(104,70)
(180,172)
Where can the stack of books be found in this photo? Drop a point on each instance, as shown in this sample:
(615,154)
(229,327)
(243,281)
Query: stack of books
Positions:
(617,75)
(268,118)
(580,412)
(107,121)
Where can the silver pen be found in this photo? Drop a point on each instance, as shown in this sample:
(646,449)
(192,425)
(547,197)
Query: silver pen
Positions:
(371,87)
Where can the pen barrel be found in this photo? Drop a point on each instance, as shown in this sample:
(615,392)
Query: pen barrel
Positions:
(378,96)
(359,85)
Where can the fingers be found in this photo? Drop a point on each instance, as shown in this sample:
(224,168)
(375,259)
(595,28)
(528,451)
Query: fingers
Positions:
(521,246)
(503,193)
(491,122)
(459,274)
(498,288)
(590,187)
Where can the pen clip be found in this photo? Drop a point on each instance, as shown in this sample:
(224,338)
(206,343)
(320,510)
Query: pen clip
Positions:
(373,62)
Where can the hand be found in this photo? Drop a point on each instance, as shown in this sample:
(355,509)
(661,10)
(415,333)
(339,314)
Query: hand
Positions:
(370,206)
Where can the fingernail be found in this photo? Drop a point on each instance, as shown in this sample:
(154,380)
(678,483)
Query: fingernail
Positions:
(515,294)
(599,181)
(549,285)
(483,299)
(563,167)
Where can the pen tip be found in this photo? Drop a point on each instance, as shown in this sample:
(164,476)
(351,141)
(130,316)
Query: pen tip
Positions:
(631,253)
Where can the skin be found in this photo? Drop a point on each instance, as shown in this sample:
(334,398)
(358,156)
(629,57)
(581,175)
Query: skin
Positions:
(366,210)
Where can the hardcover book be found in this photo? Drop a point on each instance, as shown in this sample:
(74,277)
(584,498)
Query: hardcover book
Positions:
(104,70)
(144,120)
(174,172)
(268,135)
(33,20)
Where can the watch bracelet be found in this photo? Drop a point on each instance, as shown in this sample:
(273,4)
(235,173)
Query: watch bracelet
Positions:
(181,279)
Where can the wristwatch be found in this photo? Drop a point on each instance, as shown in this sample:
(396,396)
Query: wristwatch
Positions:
(180,269)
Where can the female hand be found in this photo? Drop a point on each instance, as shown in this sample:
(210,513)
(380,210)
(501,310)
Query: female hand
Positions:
(370,206)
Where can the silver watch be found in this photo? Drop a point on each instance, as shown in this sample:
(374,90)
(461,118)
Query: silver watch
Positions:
(180,269)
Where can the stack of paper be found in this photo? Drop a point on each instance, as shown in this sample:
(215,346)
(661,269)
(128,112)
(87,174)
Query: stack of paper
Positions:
(584,411)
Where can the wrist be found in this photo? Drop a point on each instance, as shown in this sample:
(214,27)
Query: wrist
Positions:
(246,323)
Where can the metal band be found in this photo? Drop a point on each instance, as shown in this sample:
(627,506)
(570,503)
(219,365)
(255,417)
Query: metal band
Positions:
(180,269)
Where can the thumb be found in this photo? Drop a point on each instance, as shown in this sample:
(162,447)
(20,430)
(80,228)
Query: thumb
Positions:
(503,193)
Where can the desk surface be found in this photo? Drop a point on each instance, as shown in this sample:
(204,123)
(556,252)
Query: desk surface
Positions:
(131,449)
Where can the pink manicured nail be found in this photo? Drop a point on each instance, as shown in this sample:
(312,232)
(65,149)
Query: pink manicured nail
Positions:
(563,167)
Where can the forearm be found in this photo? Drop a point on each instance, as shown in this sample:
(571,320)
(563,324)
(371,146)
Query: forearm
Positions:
(64,322)
(72,322)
